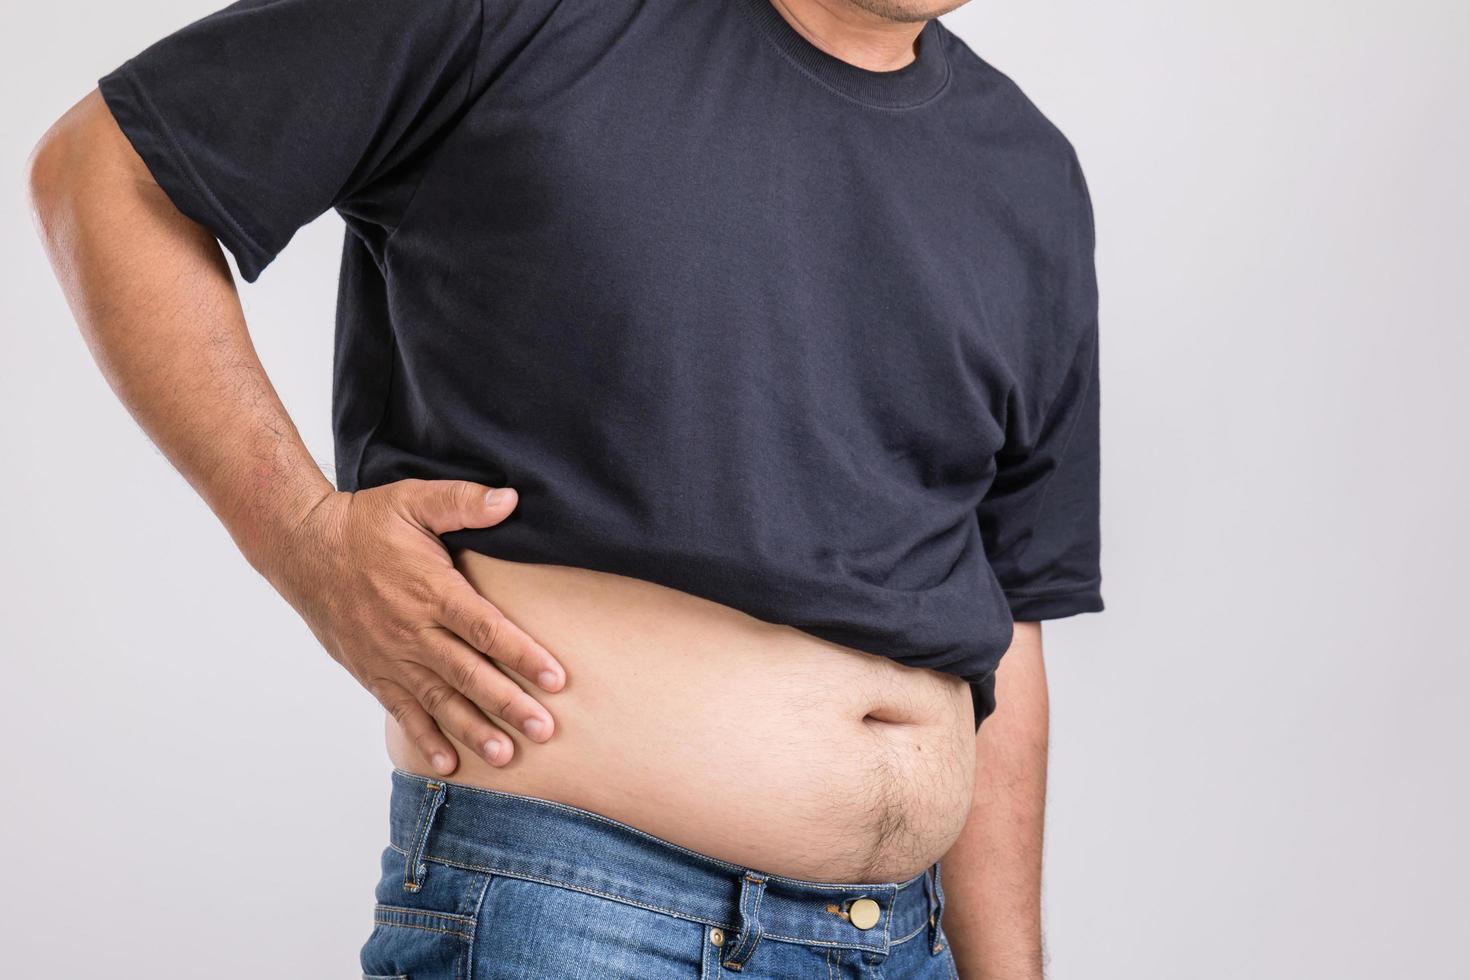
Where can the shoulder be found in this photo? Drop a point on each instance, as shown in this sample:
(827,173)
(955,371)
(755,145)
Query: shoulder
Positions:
(1029,192)
(1011,136)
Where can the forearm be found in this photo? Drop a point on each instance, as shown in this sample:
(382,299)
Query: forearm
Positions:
(157,305)
(992,875)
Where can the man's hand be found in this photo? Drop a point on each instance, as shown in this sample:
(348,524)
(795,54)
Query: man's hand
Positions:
(368,574)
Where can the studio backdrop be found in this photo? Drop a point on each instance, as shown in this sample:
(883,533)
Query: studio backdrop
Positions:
(1258,753)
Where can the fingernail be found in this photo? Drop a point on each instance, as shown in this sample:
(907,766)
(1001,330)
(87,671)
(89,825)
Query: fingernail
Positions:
(533,727)
(496,496)
(549,679)
(441,762)
(493,750)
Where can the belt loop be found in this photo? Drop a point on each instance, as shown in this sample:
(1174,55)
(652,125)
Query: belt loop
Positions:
(936,908)
(752,890)
(429,803)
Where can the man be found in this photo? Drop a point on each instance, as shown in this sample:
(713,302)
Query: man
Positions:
(715,403)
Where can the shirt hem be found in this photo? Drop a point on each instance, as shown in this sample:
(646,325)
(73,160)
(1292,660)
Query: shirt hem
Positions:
(1054,605)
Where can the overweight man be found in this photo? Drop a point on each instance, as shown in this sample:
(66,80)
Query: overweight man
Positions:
(715,404)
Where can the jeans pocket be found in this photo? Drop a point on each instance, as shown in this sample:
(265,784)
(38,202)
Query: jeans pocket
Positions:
(536,930)
(427,933)
(416,944)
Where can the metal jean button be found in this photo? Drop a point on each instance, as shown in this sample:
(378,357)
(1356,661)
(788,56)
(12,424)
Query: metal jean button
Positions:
(864,913)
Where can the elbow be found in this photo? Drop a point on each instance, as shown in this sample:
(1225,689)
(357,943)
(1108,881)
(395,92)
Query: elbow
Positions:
(44,178)
(51,178)
(71,159)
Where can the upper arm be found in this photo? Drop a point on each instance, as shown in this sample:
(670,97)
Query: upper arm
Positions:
(112,233)
(1040,517)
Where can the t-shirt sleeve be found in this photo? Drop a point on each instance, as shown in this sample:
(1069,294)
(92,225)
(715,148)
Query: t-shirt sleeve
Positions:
(1040,518)
(261,116)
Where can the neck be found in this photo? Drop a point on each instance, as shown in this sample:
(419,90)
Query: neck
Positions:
(856,36)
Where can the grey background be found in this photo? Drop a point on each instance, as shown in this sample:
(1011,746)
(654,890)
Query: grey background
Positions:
(1259,750)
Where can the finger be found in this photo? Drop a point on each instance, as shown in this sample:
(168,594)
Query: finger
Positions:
(448,505)
(457,716)
(476,621)
(485,684)
(419,726)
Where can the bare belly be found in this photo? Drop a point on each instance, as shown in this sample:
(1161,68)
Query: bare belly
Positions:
(751,742)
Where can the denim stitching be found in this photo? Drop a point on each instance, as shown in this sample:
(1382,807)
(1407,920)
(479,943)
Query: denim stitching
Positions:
(440,915)
(475,926)
(755,923)
(936,914)
(826,943)
(755,916)
(682,916)
(409,925)
(921,927)
(570,887)
(429,805)
(410,873)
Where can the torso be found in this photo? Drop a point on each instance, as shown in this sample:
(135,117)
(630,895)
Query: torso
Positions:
(634,285)
(754,743)
(744,332)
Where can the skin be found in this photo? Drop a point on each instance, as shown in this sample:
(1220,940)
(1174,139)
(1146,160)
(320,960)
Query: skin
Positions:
(992,874)
(877,35)
(157,306)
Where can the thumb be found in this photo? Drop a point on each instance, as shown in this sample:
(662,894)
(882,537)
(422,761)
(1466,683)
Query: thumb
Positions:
(448,505)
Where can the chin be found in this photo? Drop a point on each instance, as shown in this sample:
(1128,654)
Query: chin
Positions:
(908,11)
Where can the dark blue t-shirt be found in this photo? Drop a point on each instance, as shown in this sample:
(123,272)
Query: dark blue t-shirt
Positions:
(732,315)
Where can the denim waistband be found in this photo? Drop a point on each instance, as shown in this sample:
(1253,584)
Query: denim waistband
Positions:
(557,844)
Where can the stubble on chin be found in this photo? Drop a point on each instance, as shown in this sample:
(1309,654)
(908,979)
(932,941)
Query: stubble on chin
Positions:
(907,11)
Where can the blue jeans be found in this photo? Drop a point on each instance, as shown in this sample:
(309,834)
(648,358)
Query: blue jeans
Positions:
(484,885)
